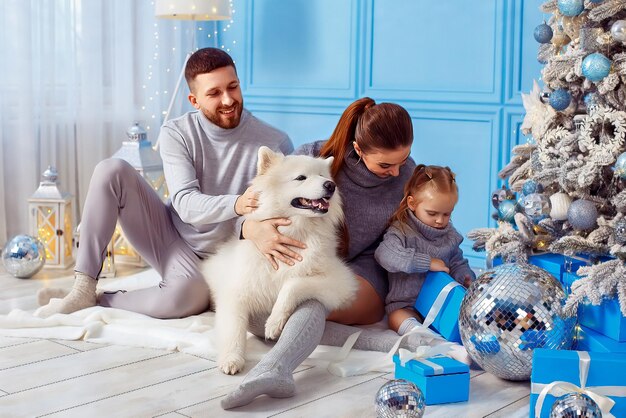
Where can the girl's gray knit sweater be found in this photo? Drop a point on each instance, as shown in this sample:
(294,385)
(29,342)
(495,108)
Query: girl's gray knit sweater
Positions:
(368,203)
(406,253)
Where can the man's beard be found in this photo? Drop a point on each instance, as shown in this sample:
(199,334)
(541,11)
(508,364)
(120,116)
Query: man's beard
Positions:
(225,121)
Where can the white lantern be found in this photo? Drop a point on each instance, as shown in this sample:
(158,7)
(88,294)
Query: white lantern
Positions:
(139,153)
(51,220)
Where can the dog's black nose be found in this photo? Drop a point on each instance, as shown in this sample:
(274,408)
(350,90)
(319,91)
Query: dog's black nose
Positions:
(329,186)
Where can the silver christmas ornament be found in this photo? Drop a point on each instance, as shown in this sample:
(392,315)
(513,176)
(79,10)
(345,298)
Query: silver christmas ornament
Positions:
(619,232)
(559,203)
(582,215)
(23,256)
(618,30)
(508,312)
(399,398)
(501,194)
(575,405)
(536,206)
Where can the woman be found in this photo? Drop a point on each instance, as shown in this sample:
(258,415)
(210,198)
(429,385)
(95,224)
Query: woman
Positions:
(371,146)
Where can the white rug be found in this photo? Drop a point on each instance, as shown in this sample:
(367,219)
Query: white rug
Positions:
(193,335)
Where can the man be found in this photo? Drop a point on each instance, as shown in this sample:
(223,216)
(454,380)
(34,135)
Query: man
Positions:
(209,157)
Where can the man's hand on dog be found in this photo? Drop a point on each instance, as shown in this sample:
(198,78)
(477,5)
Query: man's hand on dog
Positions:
(272,244)
(247,202)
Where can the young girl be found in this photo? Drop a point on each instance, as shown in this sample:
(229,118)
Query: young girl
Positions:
(421,239)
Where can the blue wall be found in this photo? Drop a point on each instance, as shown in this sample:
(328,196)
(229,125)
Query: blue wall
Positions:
(458,66)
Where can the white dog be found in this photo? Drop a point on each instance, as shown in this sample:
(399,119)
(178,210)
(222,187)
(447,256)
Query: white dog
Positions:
(242,281)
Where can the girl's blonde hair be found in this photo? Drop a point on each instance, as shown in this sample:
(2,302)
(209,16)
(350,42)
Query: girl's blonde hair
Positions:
(433,177)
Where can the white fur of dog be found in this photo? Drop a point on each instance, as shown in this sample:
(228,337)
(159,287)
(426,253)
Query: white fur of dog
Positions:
(242,281)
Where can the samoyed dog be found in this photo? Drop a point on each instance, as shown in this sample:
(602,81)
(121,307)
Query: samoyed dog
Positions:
(242,281)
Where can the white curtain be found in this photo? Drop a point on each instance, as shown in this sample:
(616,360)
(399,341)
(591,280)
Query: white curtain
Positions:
(74,75)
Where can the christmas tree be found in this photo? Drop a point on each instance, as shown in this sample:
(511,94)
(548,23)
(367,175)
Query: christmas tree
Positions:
(567,185)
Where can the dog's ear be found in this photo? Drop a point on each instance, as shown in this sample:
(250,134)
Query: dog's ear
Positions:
(330,160)
(267,157)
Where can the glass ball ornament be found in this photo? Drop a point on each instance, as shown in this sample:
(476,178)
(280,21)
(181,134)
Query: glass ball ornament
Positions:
(582,215)
(596,66)
(537,206)
(618,31)
(619,231)
(506,210)
(575,405)
(399,398)
(532,186)
(23,256)
(507,312)
(543,33)
(571,7)
(620,166)
(560,99)
(501,194)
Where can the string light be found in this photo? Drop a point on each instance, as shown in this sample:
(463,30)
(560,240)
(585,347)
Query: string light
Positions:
(155,95)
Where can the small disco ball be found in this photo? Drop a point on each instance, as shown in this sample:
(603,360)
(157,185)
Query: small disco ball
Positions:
(23,256)
(619,232)
(508,312)
(399,398)
(575,405)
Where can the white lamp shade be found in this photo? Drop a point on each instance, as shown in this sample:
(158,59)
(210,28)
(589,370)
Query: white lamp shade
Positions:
(192,9)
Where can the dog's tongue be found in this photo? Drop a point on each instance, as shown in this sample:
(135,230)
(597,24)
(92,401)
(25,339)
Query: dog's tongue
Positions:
(320,203)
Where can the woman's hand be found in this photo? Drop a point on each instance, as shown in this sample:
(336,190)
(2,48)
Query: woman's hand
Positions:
(272,244)
(437,264)
(247,202)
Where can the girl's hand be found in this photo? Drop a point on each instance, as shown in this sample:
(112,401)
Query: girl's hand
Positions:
(247,202)
(436,264)
(271,243)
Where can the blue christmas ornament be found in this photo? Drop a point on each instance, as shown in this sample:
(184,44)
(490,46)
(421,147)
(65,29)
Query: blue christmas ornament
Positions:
(620,165)
(571,7)
(531,186)
(590,99)
(560,99)
(582,215)
(543,33)
(596,66)
(506,210)
(596,1)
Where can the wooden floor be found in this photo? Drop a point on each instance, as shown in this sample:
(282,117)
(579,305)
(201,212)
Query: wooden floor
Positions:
(79,379)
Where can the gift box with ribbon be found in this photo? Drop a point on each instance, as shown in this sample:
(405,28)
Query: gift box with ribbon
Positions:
(590,340)
(606,318)
(555,264)
(602,376)
(439,301)
(441,379)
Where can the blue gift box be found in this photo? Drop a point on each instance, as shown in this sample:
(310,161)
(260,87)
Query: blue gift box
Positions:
(590,340)
(555,264)
(446,322)
(607,373)
(452,385)
(605,318)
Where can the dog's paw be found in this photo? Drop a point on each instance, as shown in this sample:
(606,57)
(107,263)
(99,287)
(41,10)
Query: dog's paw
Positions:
(231,363)
(274,326)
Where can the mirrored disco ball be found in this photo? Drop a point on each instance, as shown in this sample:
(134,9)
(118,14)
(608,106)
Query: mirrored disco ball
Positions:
(23,256)
(399,398)
(575,405)
(508,312)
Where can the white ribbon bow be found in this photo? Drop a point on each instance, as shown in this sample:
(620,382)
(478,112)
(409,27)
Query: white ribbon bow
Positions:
(424,352)
(598,393)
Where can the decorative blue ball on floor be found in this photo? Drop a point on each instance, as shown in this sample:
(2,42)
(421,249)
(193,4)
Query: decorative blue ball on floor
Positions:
(571,7)
(399,398)
(543,33)
(582,215)
(575,405)
(620,165)
(23,256)
(560,99)
(596,66)
(506,210)
(509,311)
